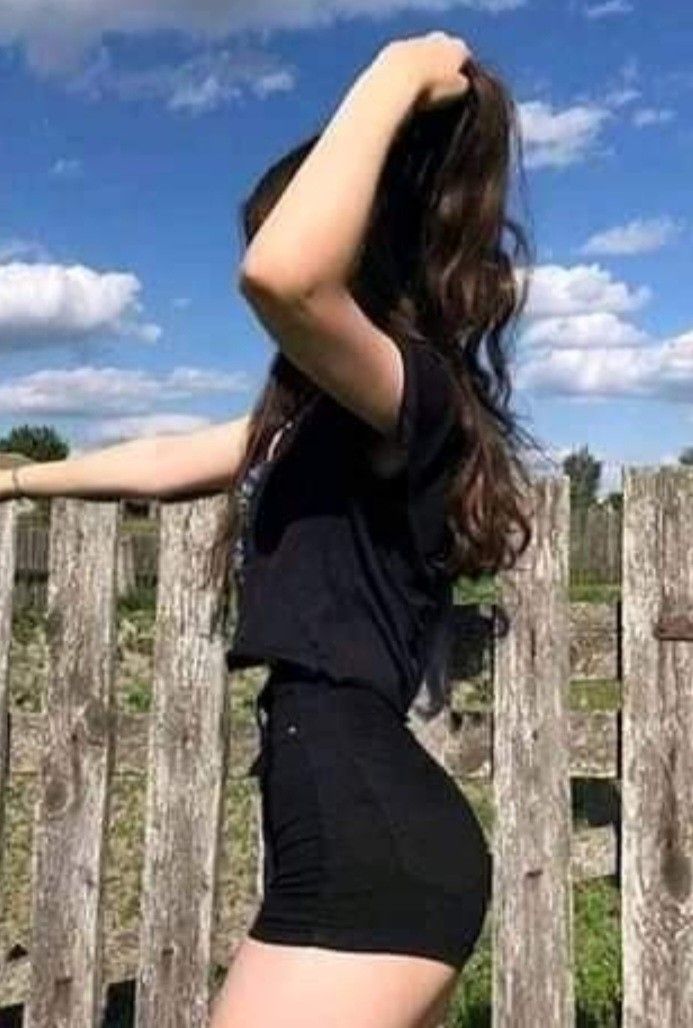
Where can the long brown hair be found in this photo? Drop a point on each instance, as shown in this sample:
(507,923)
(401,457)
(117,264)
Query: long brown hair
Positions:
(432,267)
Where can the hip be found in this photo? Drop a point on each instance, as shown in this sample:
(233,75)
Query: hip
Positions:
(370,776)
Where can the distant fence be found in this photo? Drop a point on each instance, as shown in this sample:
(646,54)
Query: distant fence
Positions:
(595,543)
(137,555)
(531,744)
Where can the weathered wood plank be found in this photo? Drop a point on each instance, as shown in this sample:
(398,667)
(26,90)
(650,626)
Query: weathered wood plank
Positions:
(189,734)
(532,896)
(657,795)
(8,525)
(594,637)
(72,811)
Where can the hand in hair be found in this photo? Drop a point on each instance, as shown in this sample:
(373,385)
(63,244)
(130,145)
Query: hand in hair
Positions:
(436,61)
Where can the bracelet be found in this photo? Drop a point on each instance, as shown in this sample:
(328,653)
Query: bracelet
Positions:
(15,482)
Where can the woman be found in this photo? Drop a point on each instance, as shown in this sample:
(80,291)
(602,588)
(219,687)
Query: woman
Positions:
(379,463)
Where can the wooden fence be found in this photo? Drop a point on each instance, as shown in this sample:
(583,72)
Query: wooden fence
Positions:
(595,553)
(530,743)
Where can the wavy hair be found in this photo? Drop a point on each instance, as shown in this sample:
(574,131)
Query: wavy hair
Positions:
(435,265)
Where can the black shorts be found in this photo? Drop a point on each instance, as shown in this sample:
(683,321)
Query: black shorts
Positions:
(369,844)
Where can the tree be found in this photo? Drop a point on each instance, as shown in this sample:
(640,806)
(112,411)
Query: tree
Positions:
(584,472)
(615,500)
(686,456)
(38,442)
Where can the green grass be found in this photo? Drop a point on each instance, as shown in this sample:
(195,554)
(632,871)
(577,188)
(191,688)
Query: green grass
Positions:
(597,953)
(596,970)
(138,600)
(138,526)
(487,590)
(137,697)
(594,592)
(595,694)
(27,620)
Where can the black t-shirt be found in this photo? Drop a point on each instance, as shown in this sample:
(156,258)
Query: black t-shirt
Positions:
(341,556)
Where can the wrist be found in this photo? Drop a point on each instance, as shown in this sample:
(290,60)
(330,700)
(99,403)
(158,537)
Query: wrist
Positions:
(394,78)
(16,484)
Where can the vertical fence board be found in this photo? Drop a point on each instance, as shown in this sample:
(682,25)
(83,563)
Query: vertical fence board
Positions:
(75,768)
(8,522)
(187,765)
(532,896)
(657,773)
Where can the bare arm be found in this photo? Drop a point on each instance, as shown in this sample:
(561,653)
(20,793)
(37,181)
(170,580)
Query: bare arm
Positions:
(295,270)
(198,463)
(297,267)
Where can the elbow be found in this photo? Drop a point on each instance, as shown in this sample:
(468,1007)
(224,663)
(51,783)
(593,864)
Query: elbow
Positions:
(260,283)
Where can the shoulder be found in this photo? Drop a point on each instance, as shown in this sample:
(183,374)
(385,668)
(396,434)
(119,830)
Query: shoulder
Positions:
(428,415)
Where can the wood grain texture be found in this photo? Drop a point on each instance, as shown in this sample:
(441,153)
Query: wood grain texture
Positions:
(188,749)
(75,767)
(8,550)
(532,895)
(657,772)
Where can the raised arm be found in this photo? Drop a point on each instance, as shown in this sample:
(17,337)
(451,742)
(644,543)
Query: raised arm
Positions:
(164,467)
(296,270)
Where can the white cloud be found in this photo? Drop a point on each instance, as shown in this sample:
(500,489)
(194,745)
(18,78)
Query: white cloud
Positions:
(55,303)
(181,302)
(559,138)
(90,392)
(576,343)
(201,83)
(67,167)
(622,88)
(57,34)
(641,235)
(583,332)
(652,116)
(113,430)
(660,371)
(608,9)
(557,291)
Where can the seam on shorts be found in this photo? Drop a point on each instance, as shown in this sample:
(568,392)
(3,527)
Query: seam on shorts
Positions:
(299,738)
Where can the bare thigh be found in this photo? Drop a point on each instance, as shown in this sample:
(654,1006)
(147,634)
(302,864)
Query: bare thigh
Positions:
(283,986)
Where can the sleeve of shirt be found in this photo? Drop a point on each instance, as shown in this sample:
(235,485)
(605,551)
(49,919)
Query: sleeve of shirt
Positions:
(427,415)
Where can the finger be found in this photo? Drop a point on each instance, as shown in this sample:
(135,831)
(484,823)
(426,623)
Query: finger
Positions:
(444,92)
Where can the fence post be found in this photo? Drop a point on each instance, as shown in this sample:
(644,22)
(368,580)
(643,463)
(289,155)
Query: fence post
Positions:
(74,769)
(8,523)
(532,893)
(188,740)
(657,796)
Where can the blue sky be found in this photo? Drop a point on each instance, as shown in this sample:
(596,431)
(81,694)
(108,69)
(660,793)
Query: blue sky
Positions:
(131,130)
